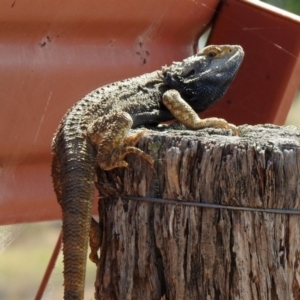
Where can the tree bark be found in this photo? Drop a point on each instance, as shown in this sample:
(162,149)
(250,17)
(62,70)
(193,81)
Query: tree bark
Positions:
(166,251)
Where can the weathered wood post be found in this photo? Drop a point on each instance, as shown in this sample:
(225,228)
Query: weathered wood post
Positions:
(173,251)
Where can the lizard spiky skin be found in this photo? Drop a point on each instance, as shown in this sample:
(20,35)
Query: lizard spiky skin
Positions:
(96,131)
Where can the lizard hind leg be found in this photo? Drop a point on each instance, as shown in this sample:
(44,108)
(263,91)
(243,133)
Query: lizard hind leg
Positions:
(95,241)
(111,136)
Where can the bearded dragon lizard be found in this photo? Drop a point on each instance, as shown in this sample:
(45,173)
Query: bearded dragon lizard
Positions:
(96,132)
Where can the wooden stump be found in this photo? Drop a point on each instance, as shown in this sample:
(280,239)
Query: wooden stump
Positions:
(165,251)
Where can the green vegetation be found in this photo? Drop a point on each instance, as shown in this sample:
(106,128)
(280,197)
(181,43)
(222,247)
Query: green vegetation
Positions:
(289,5)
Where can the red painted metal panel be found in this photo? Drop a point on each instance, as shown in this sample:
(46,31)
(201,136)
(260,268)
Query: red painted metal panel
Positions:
(269,77)
(54,52)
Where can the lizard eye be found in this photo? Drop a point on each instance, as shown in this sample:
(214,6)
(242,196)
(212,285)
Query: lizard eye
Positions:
(211,54)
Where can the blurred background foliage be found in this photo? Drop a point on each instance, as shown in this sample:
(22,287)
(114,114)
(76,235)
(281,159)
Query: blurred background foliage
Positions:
(289,5)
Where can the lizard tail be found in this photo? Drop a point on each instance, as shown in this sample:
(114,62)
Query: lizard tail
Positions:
(73,175)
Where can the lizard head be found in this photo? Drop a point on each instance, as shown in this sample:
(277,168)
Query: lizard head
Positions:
(202,79)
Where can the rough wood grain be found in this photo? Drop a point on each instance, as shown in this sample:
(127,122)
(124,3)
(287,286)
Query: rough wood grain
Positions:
(164,251)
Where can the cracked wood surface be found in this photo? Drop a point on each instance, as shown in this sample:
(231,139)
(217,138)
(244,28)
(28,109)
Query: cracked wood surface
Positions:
(164,251)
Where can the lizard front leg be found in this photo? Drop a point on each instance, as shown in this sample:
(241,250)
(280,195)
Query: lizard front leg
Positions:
(184,113)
